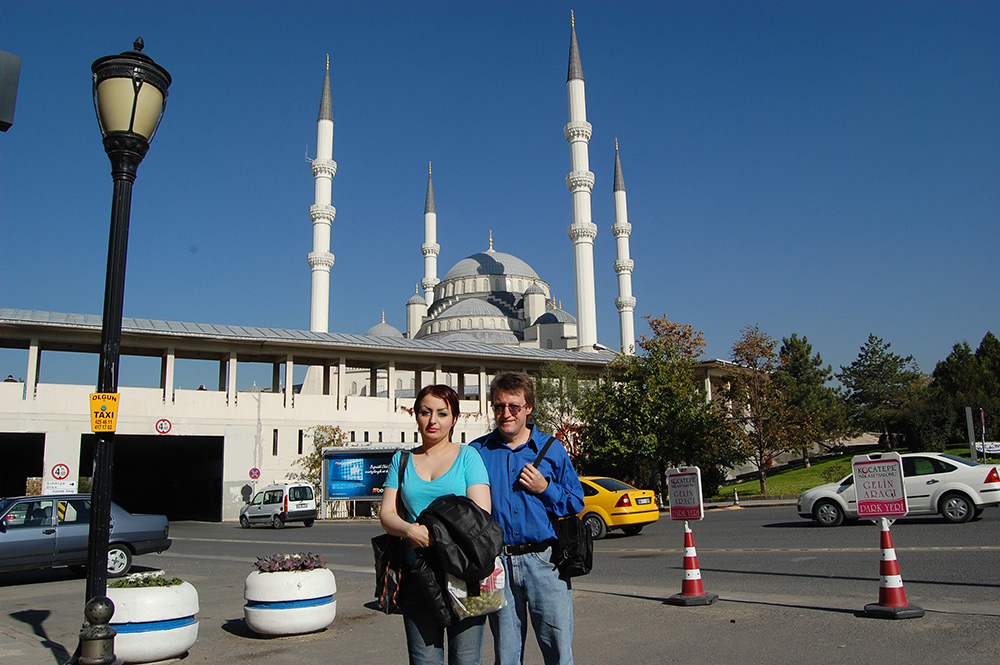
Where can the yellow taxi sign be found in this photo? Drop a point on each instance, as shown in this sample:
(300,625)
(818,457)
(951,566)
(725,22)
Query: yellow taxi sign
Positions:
(103,412)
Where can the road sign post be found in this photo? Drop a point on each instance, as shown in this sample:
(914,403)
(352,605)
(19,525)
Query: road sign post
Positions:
(878,481)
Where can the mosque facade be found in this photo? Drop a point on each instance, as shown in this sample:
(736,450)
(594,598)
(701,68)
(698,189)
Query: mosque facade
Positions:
(492,297)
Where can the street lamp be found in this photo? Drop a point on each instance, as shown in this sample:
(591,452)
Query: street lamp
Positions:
(130,93)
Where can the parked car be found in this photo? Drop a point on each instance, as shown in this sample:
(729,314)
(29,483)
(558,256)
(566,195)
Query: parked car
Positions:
(610,504)
(53,530)
(934,483)
(279,504)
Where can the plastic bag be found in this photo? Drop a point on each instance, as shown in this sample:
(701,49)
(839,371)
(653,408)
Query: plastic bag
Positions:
(489,597)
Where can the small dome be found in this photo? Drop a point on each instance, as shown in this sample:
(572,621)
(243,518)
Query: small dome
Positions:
(490,262)
(383,330)
(555,316)
(416,299)
(533,289)
(504,337)
(471,307)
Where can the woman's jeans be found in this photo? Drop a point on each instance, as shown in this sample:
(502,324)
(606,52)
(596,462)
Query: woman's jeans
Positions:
(425,637)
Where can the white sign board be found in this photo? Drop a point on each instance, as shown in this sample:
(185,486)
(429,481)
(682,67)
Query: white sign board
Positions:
(58,486)
(878,481)
(684,493)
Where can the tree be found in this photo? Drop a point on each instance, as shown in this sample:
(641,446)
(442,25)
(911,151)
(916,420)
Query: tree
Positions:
(761,414)
(648,413)
(816,409)
(559,394)
(963,379)
(878,384)
(324,436)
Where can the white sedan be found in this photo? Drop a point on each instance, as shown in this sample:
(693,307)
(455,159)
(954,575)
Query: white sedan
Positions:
(934,483)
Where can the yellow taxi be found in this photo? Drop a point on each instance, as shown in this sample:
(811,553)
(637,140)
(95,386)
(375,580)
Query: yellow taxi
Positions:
(610,504)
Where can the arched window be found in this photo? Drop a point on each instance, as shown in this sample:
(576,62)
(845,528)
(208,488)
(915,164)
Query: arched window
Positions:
(448,291)
(399,384)
(482,324)
(460,288)
(548,344)
(354,387)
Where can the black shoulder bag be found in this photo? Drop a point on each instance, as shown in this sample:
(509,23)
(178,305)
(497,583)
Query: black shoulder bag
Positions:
(388,551)
(574,552)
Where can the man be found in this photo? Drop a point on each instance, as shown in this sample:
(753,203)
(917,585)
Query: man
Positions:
(524,499)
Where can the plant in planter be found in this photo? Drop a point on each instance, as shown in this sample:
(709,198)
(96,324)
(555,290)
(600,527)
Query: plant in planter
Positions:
(289,594)
(154,617)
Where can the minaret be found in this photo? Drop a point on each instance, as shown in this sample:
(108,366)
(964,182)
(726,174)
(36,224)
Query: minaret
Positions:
(623,264)
(580,182)
(322,213)
(430,248)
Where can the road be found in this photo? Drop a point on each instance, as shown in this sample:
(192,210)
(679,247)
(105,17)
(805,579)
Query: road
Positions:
(789,591)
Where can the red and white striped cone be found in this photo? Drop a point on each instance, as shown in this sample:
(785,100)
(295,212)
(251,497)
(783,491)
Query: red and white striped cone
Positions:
(692,590)
(891,596)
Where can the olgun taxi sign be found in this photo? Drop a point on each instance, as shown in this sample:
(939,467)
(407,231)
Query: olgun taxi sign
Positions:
(878,480)
(103,412)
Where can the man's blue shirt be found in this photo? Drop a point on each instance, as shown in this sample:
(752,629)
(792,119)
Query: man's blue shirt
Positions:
(525,517)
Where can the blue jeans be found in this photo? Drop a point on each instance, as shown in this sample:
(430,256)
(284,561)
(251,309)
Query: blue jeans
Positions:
(425,636)
(536,592)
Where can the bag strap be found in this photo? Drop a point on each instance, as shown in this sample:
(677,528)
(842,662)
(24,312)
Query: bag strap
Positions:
(404,458)
(541,454)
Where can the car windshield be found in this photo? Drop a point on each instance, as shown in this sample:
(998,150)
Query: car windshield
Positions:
(612,485)
(4,503)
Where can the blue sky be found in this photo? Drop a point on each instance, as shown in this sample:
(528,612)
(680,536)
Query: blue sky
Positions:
(822,168)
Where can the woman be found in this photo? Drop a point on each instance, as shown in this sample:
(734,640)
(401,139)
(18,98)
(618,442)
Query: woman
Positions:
(436,468)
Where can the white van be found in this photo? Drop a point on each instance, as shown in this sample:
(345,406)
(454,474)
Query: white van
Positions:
(278,504)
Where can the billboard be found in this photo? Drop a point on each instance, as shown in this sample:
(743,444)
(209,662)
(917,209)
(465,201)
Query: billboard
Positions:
(355,474)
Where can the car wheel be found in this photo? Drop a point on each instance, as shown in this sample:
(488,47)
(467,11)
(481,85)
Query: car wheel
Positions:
(598,529)
(308,522)
(956,508)
(828,513)
(119,560)
(244,521)
(277,522)
(632,530)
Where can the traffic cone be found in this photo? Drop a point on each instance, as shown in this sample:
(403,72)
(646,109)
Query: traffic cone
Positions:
(891,596)
(692,590)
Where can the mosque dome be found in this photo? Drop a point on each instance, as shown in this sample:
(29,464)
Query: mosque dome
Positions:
(533,289)
(556,316)
(490,262)
(415,299)
(471,307)
(383,330)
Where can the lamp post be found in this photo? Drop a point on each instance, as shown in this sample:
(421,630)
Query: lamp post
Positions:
(130,93)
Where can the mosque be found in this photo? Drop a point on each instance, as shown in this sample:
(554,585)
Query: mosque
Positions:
(491,297)
(203,450)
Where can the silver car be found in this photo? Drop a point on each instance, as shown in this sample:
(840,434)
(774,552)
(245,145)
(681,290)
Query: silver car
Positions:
(53,530)
(934,483)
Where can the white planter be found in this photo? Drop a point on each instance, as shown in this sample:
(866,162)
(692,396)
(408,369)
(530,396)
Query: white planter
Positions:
(290,602)
(154,623)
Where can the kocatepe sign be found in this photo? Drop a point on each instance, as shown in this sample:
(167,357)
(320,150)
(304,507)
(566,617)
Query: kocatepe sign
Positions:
(878,481)
(684,492)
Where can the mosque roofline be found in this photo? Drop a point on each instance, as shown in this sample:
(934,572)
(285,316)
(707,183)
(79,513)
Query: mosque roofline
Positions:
(309,347)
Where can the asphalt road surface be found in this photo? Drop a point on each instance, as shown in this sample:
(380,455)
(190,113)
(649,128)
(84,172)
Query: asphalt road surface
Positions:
(790,592)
